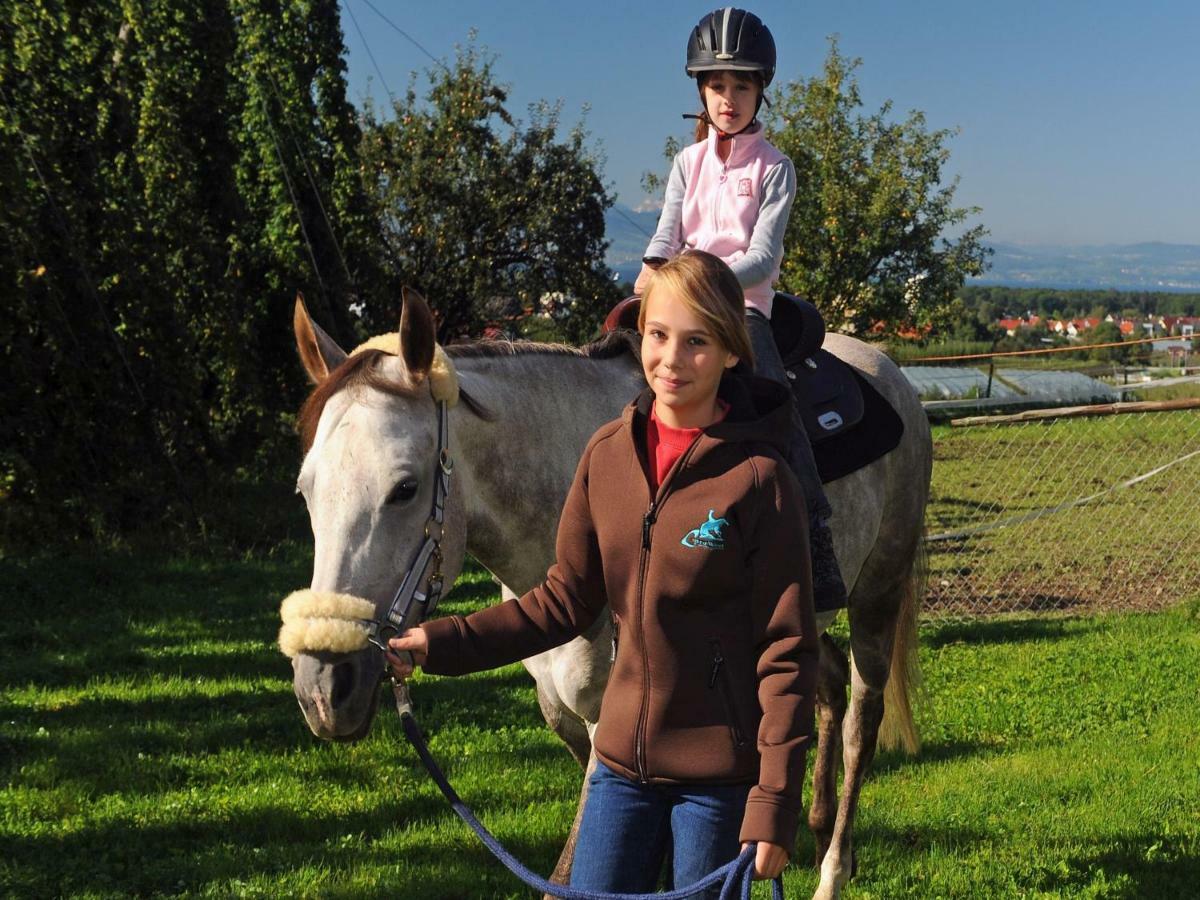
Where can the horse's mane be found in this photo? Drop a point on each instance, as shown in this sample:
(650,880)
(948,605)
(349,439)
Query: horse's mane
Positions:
(608,346)
(363,368)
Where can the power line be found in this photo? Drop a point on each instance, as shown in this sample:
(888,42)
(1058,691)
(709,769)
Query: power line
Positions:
(295,204)
(620,212)
(312,182)
(408,37)
(362,37)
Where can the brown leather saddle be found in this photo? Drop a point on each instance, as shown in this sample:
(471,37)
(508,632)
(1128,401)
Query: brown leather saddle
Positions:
(827,394)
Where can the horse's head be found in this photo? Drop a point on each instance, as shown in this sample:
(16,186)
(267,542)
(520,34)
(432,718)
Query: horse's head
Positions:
(368,477)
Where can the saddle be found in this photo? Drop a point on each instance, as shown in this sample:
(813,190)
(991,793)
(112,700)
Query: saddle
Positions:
(827,395)
(833,400)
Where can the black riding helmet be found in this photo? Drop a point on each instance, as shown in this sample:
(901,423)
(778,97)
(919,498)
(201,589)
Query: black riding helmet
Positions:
(731,39)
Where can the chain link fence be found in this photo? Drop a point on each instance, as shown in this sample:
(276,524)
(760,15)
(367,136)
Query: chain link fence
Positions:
(1099,512)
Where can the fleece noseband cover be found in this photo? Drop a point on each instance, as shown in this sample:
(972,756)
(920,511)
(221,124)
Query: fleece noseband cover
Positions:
(322,620)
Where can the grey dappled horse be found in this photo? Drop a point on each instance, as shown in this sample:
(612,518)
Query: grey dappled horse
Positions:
(516,436)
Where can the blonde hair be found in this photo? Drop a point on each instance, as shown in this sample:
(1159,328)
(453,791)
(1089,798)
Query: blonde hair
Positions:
(710,291)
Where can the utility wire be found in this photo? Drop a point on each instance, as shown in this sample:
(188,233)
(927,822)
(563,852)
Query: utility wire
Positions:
(295,204)
(312,182)
(408,37)
(370,55)
(620,212)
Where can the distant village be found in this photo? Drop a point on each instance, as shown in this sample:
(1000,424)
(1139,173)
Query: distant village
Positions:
(1131,329)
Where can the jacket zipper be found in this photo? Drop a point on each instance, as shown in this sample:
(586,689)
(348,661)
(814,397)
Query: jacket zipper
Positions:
(721,187)
(719,681)
(717,202)
(640,737)
(643,563)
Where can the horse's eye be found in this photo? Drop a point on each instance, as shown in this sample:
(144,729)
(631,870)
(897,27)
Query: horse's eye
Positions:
(402,492)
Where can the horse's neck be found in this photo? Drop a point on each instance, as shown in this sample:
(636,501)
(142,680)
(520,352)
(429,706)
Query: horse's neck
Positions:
(516,469)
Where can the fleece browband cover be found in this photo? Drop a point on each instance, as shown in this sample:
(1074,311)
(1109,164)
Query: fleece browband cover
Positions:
(322,620)
(443,380)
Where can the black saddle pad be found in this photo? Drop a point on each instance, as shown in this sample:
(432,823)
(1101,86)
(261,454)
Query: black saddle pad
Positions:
(878,432)
(827,396)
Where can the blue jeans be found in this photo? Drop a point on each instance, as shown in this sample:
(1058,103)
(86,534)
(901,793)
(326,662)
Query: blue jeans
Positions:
(767,364)
(629,828)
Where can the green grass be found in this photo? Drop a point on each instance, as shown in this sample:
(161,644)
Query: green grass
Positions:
(150,746)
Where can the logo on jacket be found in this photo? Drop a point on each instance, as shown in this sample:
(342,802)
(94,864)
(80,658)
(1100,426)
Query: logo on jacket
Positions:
(710,535)
(744,189)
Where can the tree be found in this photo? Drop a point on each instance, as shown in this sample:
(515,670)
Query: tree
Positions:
(172,172)
(491,218)
(866,241)
(1106,333)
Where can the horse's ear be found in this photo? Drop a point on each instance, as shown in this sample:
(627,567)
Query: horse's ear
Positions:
(417,334)
(319,353)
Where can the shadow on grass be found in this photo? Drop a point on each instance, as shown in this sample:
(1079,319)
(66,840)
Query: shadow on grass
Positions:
(1146,868)
(888,761)
(145,858)
(209,848)
(1003,631)
(71,619)
(90,743)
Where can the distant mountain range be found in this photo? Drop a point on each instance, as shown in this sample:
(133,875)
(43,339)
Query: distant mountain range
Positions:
(628,232)
(1124,267)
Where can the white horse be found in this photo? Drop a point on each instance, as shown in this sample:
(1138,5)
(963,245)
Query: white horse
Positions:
(371,434)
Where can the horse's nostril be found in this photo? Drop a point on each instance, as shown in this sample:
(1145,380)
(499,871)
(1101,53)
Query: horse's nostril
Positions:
(343,683)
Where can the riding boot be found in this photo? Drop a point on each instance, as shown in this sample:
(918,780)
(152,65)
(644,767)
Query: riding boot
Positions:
(829,590)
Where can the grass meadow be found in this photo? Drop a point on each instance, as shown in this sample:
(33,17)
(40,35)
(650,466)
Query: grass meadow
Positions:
(150,746)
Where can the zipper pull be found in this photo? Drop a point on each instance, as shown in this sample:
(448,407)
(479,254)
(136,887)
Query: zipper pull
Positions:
(718,659)
(647,524)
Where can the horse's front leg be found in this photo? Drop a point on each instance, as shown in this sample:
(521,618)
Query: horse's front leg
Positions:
(870,660)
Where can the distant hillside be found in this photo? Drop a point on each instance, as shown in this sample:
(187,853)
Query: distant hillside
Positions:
(1125,267)
(1129,267)
(628,233)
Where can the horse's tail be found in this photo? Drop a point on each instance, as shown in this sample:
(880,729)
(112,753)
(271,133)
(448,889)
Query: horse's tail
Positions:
(904,681)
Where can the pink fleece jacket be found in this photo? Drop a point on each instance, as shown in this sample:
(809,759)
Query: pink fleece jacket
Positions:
(735,208)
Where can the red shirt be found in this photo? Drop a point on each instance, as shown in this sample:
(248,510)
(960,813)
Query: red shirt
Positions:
(664,444)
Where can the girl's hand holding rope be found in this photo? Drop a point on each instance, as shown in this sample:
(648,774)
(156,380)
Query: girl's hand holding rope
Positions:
(406,651)
(769,860)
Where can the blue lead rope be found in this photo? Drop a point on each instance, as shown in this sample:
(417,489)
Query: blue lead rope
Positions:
(737,876)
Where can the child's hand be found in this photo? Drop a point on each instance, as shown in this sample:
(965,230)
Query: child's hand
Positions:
(643,280)
(407,651)
(769,860)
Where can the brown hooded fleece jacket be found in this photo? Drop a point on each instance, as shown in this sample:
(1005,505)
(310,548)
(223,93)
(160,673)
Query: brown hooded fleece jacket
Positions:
(710,589)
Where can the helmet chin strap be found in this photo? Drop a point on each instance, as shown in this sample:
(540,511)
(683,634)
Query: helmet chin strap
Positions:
(722,135)
(725,135)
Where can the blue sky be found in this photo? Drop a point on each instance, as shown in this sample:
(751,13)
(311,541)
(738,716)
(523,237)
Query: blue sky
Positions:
(1080,121)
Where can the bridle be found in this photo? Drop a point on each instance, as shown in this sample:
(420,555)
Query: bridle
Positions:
(411,605)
